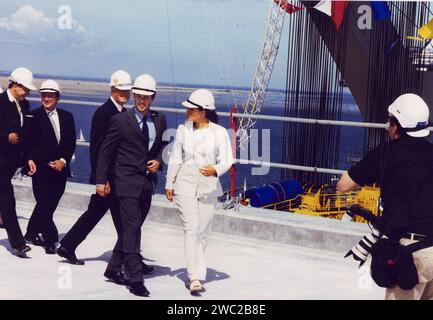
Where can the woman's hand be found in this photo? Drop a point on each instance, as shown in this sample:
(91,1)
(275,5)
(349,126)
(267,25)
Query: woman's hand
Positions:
(169,194)
(208,171)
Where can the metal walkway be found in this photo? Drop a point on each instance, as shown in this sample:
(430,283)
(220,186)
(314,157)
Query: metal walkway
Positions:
(238,268)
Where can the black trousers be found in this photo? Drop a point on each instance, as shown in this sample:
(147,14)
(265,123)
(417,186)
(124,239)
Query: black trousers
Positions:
(7,207)
(48,188)
(98,207)
(133,212)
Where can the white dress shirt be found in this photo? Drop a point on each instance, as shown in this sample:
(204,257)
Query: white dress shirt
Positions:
(150,126)
(12,99)
(53,116)
(118,106)
(194,149)
(54,119)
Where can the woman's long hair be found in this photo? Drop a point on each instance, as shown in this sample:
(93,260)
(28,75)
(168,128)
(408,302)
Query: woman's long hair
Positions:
(212,116)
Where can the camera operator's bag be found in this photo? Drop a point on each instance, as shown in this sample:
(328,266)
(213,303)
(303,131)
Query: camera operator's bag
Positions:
(392,263)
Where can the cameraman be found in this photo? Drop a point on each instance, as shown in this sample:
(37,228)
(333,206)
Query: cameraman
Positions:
(403,168)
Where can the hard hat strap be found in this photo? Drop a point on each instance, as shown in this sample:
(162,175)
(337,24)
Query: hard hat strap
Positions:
(41,90)
(194,104)
(419,126)
(148,90)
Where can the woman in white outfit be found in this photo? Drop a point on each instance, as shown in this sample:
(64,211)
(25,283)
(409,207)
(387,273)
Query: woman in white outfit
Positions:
(201,154)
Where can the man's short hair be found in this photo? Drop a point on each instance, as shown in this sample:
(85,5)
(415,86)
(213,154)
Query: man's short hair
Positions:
(11,84)
(393,120)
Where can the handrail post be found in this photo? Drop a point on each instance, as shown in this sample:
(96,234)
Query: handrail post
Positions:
(232,172)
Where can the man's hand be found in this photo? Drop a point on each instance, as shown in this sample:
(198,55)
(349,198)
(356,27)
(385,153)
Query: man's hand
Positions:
(13,138)
(57,165)
(169,194)
(102,190)
(32,166)
(208,171)
(153,166)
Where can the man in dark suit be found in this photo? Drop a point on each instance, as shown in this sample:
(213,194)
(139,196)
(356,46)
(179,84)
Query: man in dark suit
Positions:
(50,144)
(121,84)
(129,158)
(13,110)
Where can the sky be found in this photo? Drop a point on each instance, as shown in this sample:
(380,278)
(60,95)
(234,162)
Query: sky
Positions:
(205,42)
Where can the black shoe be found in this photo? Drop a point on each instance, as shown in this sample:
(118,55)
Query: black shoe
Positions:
(139,289)
(36,240)
(22,251)
(64,253)
(146,268)
(2,226)
(50,248)
(115,276)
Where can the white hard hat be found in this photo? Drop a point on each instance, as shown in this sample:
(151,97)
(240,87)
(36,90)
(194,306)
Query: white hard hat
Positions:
(121,80)
(200,98)
(24,77)
(49,86)
(144,85)
(412,113)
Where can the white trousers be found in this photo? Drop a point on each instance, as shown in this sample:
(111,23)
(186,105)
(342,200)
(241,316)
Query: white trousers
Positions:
(196,215)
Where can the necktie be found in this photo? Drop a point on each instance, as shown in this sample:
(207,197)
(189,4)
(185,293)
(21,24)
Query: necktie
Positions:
(19,112)
(145,131)
(53,123)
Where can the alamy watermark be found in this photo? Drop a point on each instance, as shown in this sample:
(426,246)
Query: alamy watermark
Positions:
(64,281)
(365,18)
(257,149)
(365,282)
(65,21)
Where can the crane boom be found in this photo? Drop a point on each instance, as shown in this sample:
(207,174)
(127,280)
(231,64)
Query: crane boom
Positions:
(264,69)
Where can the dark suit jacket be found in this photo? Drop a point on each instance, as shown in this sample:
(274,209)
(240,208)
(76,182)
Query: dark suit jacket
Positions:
(40,140)
(11,154)
(100,124)
(125,150)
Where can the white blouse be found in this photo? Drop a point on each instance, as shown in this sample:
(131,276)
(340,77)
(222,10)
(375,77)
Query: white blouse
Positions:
(194,149)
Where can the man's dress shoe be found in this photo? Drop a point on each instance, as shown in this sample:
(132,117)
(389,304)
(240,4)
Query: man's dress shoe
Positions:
(50,248)
(115,276)
(70,256)
(21,252)
(36,240)
(139,289)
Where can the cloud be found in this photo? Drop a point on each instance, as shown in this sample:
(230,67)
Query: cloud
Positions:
(31,25)
(27,19)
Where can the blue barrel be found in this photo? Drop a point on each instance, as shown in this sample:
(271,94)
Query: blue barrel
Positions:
(273,193)
(279,190)
(292,188)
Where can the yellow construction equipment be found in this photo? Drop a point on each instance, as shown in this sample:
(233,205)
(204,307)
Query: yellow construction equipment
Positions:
(324,201)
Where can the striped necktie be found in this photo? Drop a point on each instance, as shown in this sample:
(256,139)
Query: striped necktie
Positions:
(19,112)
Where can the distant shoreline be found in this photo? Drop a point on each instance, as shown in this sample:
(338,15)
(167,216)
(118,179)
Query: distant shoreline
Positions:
(99,87)
(163,85)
